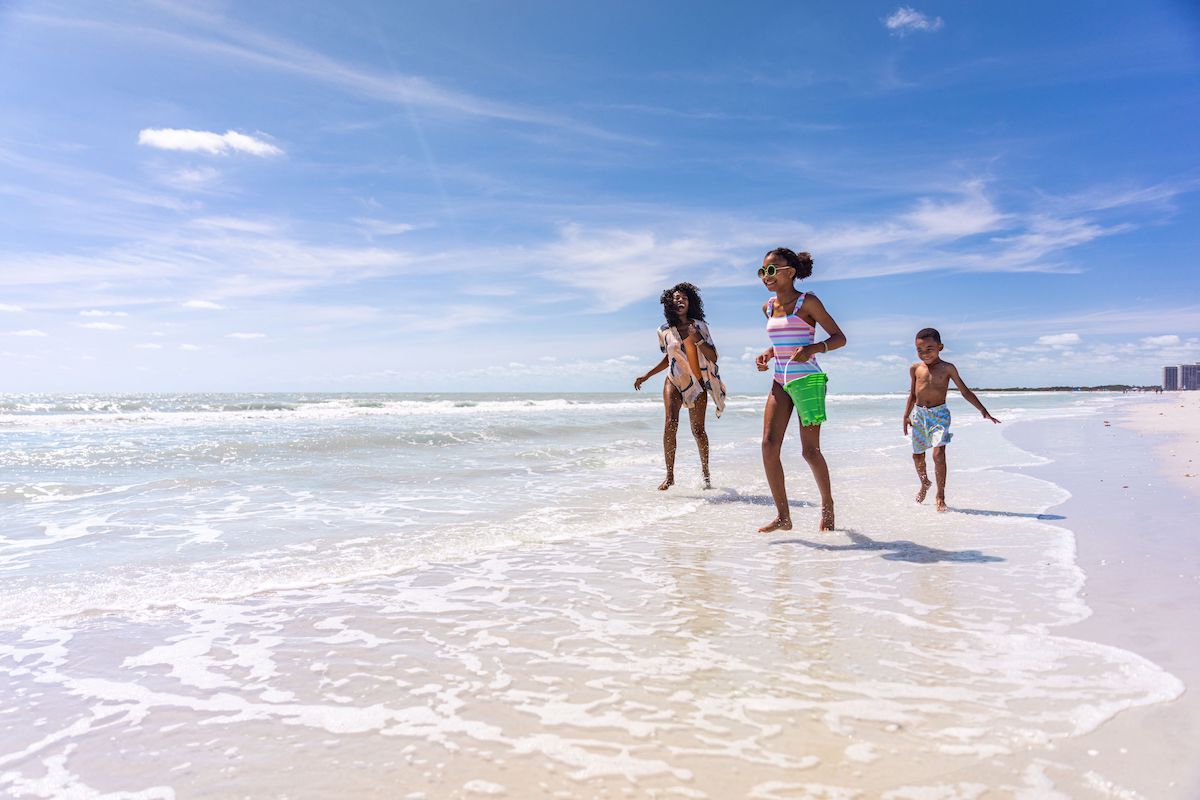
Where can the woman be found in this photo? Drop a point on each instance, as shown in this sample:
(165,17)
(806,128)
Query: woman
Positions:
(792,317)
(685,329)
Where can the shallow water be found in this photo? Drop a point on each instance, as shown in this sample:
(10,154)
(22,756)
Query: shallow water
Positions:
(470,595)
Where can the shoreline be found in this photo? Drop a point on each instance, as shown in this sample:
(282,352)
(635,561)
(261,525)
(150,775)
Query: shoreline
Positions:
(1136,543)
(668,650)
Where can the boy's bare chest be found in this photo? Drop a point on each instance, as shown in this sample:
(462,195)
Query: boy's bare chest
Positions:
(932,378)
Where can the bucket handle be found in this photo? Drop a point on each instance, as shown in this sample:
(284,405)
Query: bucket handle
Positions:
(788,363)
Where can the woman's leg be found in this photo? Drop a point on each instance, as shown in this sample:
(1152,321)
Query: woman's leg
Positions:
(810,441)
(776,417)
(672,401)
(696,417)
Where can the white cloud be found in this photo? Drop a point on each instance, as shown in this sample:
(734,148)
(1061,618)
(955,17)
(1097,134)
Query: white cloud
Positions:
(102,326)
(28,332)
(148,346)
(241,335)
(1161,341)
(380,227)
(618,267)
(12,309)
(238,224)
(99,313)
(905,20)
(206,142)
(1059,339)
(968,213)
(188,347)
(192,178)
(207,305)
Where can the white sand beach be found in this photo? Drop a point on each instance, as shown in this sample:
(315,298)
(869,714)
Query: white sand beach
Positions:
(1134,509)
(1035,642)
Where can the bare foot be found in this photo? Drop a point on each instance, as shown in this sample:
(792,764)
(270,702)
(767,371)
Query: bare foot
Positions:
(707,482)
(923,491)
(827,523)
(777,524)
(667,483)
(941,505)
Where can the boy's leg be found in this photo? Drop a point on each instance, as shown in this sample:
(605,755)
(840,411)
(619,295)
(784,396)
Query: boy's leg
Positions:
(696,417)
(672,402)
(939,472)
(919,463)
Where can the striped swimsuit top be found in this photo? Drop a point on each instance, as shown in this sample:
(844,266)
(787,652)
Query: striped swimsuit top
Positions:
(788,334)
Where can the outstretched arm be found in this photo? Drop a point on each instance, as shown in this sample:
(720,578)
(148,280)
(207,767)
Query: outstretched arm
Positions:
(813,307)
(912,395)
(637,383)
(968,395)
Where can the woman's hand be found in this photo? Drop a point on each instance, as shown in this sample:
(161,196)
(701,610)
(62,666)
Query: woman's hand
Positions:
(762,362)
(693,335)
(637,382)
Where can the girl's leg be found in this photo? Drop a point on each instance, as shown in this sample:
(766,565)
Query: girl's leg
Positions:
(776,417)
(696,417)
(810,440)
(672,401)
(919,463)
(939,472)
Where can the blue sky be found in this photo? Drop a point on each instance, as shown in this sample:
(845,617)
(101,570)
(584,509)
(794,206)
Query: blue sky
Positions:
(433,196)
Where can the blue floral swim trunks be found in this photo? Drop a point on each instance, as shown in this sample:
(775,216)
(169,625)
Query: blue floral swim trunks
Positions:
(930,427)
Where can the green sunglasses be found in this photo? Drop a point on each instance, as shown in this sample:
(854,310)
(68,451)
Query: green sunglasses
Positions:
(770,269)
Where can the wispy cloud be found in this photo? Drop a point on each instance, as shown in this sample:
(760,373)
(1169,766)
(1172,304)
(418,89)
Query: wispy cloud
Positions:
(617,267)
(238,42)
(31,332)
(905,20)
(205,305)
(206,142)
(1059,339)
(381,227)
(95,312)
(191,179)
(5,307)
(102,326)
(963,230)
(244,335)
(1161,341)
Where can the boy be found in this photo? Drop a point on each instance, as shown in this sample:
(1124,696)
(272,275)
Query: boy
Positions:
(927,412)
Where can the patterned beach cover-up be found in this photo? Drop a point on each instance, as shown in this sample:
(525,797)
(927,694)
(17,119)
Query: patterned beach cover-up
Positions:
(679,372)
(930,427)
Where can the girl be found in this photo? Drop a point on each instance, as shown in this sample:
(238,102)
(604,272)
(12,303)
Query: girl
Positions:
(685,329)
(792,317)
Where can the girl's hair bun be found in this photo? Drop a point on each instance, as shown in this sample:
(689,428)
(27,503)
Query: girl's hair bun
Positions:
(802,262)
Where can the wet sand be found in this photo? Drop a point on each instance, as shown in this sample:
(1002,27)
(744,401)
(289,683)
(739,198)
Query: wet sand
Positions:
(1135,511)
(910,655)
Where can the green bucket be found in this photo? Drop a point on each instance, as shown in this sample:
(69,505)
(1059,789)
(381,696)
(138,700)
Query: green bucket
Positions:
(808,395)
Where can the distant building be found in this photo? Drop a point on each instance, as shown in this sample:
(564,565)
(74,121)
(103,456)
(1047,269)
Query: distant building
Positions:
(1170,378)
(1189,376)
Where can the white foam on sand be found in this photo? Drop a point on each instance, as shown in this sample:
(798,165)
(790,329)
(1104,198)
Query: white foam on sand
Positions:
(626,641)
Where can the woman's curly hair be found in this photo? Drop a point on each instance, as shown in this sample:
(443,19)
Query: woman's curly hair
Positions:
(801,262)
(695,304)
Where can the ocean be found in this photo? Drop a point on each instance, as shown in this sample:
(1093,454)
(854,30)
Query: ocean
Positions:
(422,595)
